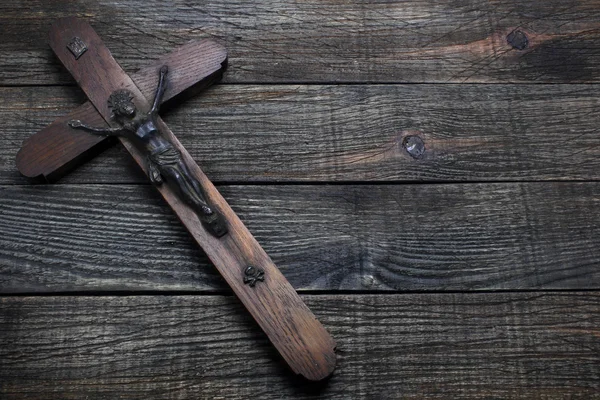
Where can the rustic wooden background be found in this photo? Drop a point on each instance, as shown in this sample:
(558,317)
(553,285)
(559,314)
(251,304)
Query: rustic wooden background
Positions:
(472,272)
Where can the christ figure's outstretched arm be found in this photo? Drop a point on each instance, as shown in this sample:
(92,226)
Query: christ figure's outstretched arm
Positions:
(160,90)
(77,124)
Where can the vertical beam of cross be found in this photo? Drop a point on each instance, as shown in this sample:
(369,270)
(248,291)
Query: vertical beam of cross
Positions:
(292,328)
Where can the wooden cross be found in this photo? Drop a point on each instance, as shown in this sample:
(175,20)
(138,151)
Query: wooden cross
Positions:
(291,327)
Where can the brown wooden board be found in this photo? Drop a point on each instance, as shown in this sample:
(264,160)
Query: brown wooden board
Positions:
(321,133)
(327,41)
(459,346)
(529,236)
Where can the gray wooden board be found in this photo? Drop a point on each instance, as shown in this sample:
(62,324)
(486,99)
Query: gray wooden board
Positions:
(323,237)
(326,41)
(523,117)
(438,346)
(321,133)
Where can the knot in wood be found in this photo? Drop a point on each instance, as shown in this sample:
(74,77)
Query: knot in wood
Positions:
(518,39)
(414,145)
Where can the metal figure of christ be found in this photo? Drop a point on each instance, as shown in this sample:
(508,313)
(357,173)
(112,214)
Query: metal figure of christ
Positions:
(164,160)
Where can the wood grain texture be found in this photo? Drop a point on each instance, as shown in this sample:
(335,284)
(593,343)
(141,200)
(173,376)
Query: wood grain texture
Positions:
(274,304)
(55,150)
(314,133)
(284,119)
(326,41)
(435,346)
(531,236)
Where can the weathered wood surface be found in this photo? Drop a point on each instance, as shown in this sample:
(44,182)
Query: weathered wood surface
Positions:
(275,133)
(438,346)
(282,118)
(325,41)
(362,237)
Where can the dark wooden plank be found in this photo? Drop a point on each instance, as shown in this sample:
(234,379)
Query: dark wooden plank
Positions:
(325,41)
(365,237)
(459,346)
(351,133)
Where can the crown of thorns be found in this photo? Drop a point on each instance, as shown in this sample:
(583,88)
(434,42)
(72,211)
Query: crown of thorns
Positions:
(119,99)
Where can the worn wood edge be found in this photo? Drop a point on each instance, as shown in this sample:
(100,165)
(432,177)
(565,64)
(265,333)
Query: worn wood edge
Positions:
(52,152)
(290,325)
(438,346)
(56,150)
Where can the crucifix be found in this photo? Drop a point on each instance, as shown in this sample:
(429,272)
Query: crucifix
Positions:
(127,108)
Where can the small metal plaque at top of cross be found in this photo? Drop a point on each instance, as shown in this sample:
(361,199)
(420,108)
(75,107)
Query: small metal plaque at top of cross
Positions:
(128,109)
(77,47)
